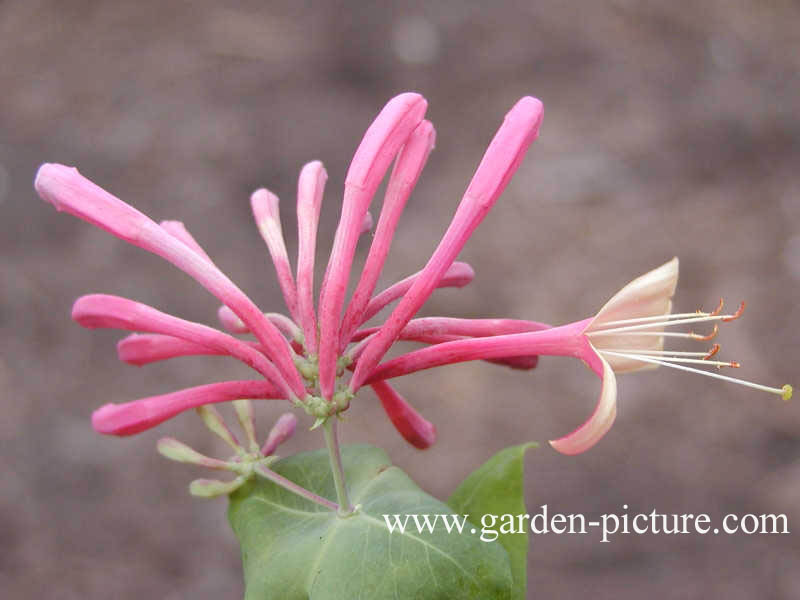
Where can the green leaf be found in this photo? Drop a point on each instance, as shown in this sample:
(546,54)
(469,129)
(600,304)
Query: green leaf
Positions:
(293,549)
(496,488)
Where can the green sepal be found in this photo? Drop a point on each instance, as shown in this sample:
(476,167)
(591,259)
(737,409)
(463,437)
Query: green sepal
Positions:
(497,488)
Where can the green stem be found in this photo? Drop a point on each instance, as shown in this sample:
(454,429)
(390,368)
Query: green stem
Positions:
(268,473)
(332,442)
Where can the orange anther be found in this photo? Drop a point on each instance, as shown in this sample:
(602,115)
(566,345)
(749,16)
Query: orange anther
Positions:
(717,310)
(735,315)
(705,338)
(712,351)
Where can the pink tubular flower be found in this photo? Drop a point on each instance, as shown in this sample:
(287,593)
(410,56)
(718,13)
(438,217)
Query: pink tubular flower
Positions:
(305,357)
(626,335)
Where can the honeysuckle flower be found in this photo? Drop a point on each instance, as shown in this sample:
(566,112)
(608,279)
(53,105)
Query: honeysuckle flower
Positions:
(626,335)
(249,459)
(305,357)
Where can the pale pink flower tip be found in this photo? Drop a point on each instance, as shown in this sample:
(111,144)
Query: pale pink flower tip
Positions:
(283,429)
(120,419)
(502,158)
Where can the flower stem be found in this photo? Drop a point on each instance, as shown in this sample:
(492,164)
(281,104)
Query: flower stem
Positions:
(268,473)
(332,442)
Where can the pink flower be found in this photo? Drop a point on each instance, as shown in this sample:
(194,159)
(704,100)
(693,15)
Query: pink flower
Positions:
(626,335)
(304,357)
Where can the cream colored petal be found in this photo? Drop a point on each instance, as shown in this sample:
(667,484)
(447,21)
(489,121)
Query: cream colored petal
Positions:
(588,434)
(647,296)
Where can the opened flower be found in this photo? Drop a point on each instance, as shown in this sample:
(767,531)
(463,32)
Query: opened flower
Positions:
(626,335)
(306,356)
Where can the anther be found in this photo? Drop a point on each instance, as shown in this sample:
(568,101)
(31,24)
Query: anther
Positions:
(732,364)
(735,315)
(714,349)
(705,338)
(717,310)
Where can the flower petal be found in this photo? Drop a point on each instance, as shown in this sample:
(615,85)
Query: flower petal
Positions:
(407,169)
(146,413)
(105,311)
(417,431)
(458,275)
(266,212)
(282,430)
(649,295)
(310,188)
(178,230)
(69,191)
(588,434)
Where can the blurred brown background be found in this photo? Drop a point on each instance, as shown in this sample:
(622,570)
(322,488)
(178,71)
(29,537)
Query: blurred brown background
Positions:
(668,130)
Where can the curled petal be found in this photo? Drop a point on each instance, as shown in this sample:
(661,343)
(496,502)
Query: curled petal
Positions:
(649,295)
(146,413)
(416,430)
(588,434)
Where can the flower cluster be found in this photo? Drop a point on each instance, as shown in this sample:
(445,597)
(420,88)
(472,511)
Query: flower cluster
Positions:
(249,458)
(319,356)
(305,357)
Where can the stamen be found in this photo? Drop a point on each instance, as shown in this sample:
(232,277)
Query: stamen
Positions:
(714,349)
(694,319)
(705,338)
(717,310)
(701,361)
(657,318)
(663,352)
(785,392)
(691,335)
(683,357)
(735,315)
